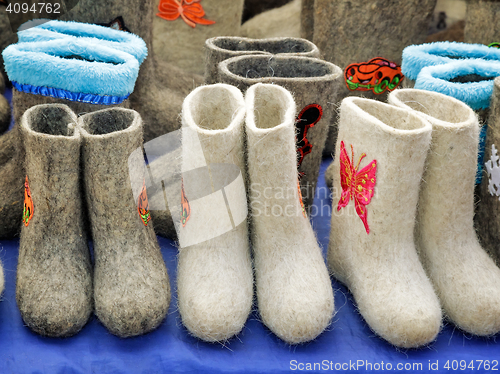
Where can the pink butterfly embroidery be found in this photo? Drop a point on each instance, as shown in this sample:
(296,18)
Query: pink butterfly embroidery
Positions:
(357,185)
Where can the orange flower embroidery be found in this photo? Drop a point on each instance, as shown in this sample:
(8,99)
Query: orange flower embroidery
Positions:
(191,11)
(28,204)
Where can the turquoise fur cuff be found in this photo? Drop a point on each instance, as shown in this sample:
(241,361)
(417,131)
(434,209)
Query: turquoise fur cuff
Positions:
(77,66)
(417,57)
(106,36)
(470,81)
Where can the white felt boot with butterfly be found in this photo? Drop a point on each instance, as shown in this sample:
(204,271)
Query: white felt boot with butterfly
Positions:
(294,292)
(466,279)
(214,272)
(381,153)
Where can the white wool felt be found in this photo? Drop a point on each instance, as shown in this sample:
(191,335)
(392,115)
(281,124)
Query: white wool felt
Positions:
(294,292)
(466,279)
(214,277)
(382,268)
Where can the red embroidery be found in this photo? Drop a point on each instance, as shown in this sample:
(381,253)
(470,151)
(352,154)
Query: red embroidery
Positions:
(356,185)
(29,208)
(377,75)
(143,206)
(186,208)
(190,11)
(307,118)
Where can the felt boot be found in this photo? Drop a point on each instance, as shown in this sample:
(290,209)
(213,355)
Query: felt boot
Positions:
(255,7)
(214,273)
(179,18)
(298,75)
(54,274)
(381,153)
(81,74)
(488,208)
(222,48)
(307,19)
(4,114)
(278,22)
(294,292)
(131,286)
(161,87)
(482,22)
(466,279)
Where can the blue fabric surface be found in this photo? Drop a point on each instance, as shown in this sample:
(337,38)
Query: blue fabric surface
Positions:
(170,349)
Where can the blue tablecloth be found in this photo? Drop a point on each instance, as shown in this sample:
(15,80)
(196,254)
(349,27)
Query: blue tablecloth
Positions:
(348,346)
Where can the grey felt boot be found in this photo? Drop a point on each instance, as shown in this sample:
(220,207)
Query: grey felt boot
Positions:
(4,113)
(221,48)
(161,87)
(314,84)
(482,22)
(192,22)
(54,274)
(294,291)
(131,286)
(41,73)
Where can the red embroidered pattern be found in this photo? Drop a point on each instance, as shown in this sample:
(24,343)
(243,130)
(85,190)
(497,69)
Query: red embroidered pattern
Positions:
(143,206)
(186,208)
(190,11)
(376,75)
(356,185)
(29,208)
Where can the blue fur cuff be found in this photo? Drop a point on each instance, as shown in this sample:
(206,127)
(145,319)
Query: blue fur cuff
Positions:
(416,57)
(475,94)
(121,40)
(70,64)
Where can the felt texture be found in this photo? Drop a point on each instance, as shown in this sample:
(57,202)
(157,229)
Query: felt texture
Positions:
(381,268)
(115,39)
(466,279)
(307,19)
(482,22)
(2,84)
(486,222)
(416,57)
(185,50)
(95,69)
(131,285)
(277,22)
(54,273)
(4,114)
(454,33)
(161,87)
(222,48)
(214,277)
(6,36)
(470,81)
(254,7)
(294,293)
(310,80)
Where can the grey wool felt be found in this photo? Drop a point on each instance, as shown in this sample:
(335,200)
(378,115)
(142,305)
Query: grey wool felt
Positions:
(487,210)
(214,276)
(312,82)
(482,22)
(294,291)
(131,285)
(466,279)
(161,87)
(54,274)
(222,48)
(4,114)
(377,260)
(189,39)
(278,22)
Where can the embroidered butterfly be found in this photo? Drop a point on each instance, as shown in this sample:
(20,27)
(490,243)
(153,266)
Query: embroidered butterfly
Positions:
(377,75)
(356,185)
(143,205)
(189,10)
(28,204)
(186,208)
(307,118)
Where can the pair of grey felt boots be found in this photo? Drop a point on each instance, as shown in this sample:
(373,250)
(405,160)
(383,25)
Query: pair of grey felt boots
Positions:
(66,159)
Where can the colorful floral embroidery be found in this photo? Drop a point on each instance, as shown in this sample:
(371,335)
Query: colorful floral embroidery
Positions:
(307,118)
(356,185)
(143,205)
(186,208)
(377,75)
(29,208)
(190,11)
(494,45)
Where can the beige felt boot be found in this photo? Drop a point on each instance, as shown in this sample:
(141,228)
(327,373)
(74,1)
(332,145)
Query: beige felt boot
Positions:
(294,292)
(466,279)
(214,274)
(381,152)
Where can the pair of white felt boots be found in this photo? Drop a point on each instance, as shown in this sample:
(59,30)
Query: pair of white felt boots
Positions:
(250,138)
(406,246)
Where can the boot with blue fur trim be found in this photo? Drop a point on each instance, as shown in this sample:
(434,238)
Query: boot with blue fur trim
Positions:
(83,75)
